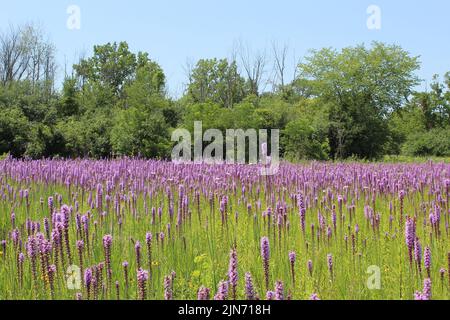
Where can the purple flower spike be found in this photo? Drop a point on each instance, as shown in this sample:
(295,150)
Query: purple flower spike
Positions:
(107,241)
(410,237)
(279,290)
(265,254)
(203,293)
(88,281)
(270,295)
(427,261)
(292,258)
(310,267)
(142,277)
(222,292)
(168,293)
(330,264)
(249,288)
(314,297)
(232,273)
(137,248)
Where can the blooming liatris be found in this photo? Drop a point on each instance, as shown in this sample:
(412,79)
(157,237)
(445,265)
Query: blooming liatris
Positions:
(222,292)
(427,261)
(233,273)
(107,243)
(125,275)
(302,212)
(314,296)
(426,293)
(279,290)
(310,267)
(249,288)
(270,295)
(418,254)
(88,281)
(168,293)
(20,260)
(80,247)
(51,278)
(32,250)
(409,237)
(265,254)
(148,241)
(137,248)
(330,264)
(203,293)
(292,258)
(50,205)
(142,277)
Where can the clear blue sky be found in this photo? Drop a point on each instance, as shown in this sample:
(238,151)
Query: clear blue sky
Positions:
(174,31)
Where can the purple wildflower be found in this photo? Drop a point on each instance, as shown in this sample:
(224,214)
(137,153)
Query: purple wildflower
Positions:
(222,292)
(137,248)
(265,254)
(292,258)
(233,273)
(168,293)
(314,296)
(330,264)
(279,290)
(410,237)
(142,277)
(270,295)
(88,281)
(51,277)
(148,241)
(310,267)
(249,288)
(107,243)
(427,261)
(203,293)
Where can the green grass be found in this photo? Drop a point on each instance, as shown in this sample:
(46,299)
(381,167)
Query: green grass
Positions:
(199,251)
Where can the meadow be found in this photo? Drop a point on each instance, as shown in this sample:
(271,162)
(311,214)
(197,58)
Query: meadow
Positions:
(138,229)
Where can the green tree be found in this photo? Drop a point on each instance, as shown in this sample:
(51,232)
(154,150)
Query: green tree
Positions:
(69,104)
(140,132)
(14,131)
(112,66)
(362,87)
(216,81)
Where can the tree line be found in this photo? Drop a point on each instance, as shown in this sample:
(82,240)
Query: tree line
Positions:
(356,102)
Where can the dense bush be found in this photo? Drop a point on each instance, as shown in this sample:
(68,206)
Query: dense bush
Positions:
(435,142)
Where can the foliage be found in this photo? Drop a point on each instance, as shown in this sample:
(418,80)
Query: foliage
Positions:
(14,131)
(355,103)
(434,142)
(362,86)
(216,81)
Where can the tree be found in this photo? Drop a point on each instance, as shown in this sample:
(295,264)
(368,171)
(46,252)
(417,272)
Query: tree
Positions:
(148,83)
(140,132)
(14,131)
(112,66)
(254,64)
(69,104)
(215,81)
(279,66)
(362,87)
(26,55)
(435,104)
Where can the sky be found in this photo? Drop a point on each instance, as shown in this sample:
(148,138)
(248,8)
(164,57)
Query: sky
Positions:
(175,32)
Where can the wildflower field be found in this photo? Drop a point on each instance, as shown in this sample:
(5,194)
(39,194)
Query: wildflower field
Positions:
(136,229)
